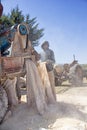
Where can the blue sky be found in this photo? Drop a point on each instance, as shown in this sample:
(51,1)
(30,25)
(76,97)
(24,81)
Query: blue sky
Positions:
(65,24)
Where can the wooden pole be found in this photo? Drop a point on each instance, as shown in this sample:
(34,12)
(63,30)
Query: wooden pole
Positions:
(74,57)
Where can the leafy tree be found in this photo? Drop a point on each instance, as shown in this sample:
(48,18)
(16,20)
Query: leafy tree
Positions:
(16,17)
(35,33)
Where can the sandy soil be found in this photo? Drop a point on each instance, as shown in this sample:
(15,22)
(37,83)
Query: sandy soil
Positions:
(69,113)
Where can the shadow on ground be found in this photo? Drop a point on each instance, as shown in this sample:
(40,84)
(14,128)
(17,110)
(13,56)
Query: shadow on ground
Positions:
(25,118)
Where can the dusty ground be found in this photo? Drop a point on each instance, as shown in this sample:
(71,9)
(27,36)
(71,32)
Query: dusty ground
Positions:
(69,113)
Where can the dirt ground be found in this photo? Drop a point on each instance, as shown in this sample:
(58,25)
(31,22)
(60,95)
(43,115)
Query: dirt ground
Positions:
(69,113)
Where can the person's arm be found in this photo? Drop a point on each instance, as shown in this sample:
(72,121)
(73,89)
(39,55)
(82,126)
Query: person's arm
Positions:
(52,56)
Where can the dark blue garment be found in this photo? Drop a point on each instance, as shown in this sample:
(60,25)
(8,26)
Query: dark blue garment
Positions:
(4,44)
(50,55)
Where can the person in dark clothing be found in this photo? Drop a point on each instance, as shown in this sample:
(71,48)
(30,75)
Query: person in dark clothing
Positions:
(47,56)
(48,53)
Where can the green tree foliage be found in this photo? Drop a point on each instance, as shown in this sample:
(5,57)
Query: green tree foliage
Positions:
(35,32)
(16,17)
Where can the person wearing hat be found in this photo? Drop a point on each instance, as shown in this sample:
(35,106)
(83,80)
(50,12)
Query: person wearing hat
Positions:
(47,56)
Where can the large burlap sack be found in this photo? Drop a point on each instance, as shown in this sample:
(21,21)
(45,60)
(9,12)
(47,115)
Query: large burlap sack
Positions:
(35,89)
(46,82)
(10,87)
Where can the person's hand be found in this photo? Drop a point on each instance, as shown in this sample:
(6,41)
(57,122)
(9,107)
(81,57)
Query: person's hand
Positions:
(38,57)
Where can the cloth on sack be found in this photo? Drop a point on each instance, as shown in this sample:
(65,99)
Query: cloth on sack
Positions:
(35,89)
(46,82)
